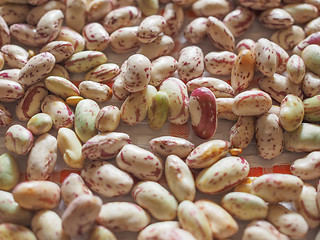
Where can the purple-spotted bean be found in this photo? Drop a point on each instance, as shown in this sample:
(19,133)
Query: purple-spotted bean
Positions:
(10,91)
(307,168)
(103,73)
(123,216)
(301,12)
(61,50)
(224,106)
(97,9)
(156,199)
(214,8)
(179,178)
(289,37)
(14,13)
(310,84)
(101,233)
(158,110)
(239,20)
(61,87)
(279,86)
(98,92)
(46,225)
(245,44)
(148,7)
(276,187)
(4,32)
(150,28)
(162,68)
(10,74)
(233,170)
(124,39)
(12,231)
(261,228)
(108,119)
(219,35)
(220,88)
(194,220)
(163,45)
(62,115)
(80,215)
(42,158)
(9,173)
(18,139)
(36,195)
(48,27)
(265,56)
(72,187)
(75,16)
(167,145)
(220,63)
(5,116)
(282,58)
(260,4)
(196,31)
(203,112)
(174,15)
(96,37)
(276,18)
(14,55)
(242,133)
(118,88)
(70,35)
(287,221)
(106,179)
(121,17)
(84,61)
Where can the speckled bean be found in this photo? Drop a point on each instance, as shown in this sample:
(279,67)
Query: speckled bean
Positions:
(174,15)
(61,50)
(72,187)
(155,230)
(260,4)
(265,56)
(75,14)
(97,9)
(245,43)
(312,26)
(156,199)
(123,216)
(10,91)
(301,12)
(10,231)
(61,87)
(96,37)
(18,139)
(14,55)
(14,13)
(233,170)
(5,116)
(307,168)
(295,69)
(98,92)
(62,115)
(108,119)
(70,35)
(261,228)
(312,108)
(106,179)
(124,39)
(289,37)
(215,8)
(310,84)
(196,31)
(220,63)
(161,46)
(167,145)
(276,187)
(224,106)
(150,28)
(242,133)
(4,32)
(10,74)
(207,153)
(84,61)
(36,195)
(162,68)
(118,85)
(276,18)
(103,73)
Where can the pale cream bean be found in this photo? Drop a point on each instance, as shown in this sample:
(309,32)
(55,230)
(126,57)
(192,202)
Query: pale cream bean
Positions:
(208,153)
(162,68)
(70,35)
(72,187)
(5,116)
(108,119)
(11,212)
(121,17)
(101,233)
(148,7)
(245,206)
(242,70)
(174,15)
(46,225)
(105,73)
(279,86)
(12,231)
(251,103)
(105,145)
(59,71)
(155,230)
(124,39)
(289,37)
(214,8)
(310,84)
(156,199)
(36,69)
(135,108)
(49,26)
(220,63)
(36,13)
(276,187)
(97,9)
(84,61)
(219,35)
(224,106)
(245,44)
(61,87)
(163,45)
(18,139)
(84,120)
(61,50)
(242,133)
(196,31)
(9,172)
(261,228)
(303,139)
(70,148)
(310,58)
(98,92)
(75,14)
(42,158)
(10,91)
(287,221)
(80,215)
(36,195)
(221,222)
(314,38)
(301,12)
(291,112)
(307,167)
(239,20)
(96,37)
(14,13)
(312,26)
(194,220)
(150,28)
(62,115)
(265,57)
(106,179)
(14,55)
(276,18)
(179,178)
(295,69)
(4,32)
(307,206)
(30,103)
(123,216)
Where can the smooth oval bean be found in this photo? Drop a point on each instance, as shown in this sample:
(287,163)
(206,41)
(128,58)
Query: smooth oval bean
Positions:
(18,139)
(150,28)
(220,63)
(69,35)
(213,8)
(76,14)
(108,119)
(97,9)
(24,33)
(105,73)
(265,56)
(61,50)
(14,55)
(98,92)
(158,110)
(12,231)
(84,61)
(301,12)
(14,13)
(155,230)
(242,133)
(10,91)
(101,233)
(307,168)
(9,172)
(196,31)
(262,228)
(162,68)
(96,37)
(124,39)
(61,87)
(174,15)
(276,18)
